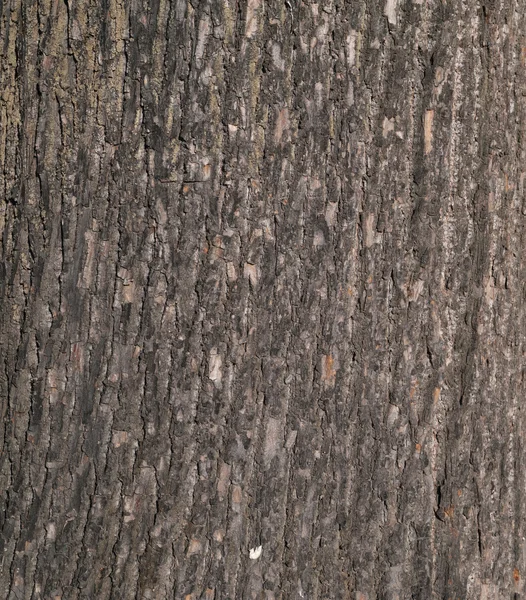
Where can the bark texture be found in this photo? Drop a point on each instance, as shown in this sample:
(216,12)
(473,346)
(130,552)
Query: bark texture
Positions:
(262,284)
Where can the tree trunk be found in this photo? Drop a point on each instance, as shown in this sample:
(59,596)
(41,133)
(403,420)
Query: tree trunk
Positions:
(262,286)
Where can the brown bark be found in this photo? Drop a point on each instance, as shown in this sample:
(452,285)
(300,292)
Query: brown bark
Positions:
(262,285)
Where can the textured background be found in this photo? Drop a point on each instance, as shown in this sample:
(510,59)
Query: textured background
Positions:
(262,283)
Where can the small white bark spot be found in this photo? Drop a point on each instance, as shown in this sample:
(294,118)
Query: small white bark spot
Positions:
(319,239)
(255,553)
(388,125)
(428,131)
(214,367)
(252,17)
(391,7)
(369,235)
(250,272)
(351,48)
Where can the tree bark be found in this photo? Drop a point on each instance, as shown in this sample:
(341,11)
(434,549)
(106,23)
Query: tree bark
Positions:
(262,284)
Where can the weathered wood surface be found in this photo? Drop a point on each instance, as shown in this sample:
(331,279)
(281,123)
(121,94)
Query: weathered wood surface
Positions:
(262,283)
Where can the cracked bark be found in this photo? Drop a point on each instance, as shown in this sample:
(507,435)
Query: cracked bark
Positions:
(262,285)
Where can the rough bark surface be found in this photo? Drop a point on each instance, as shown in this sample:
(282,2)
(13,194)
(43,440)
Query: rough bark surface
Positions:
(262,284)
